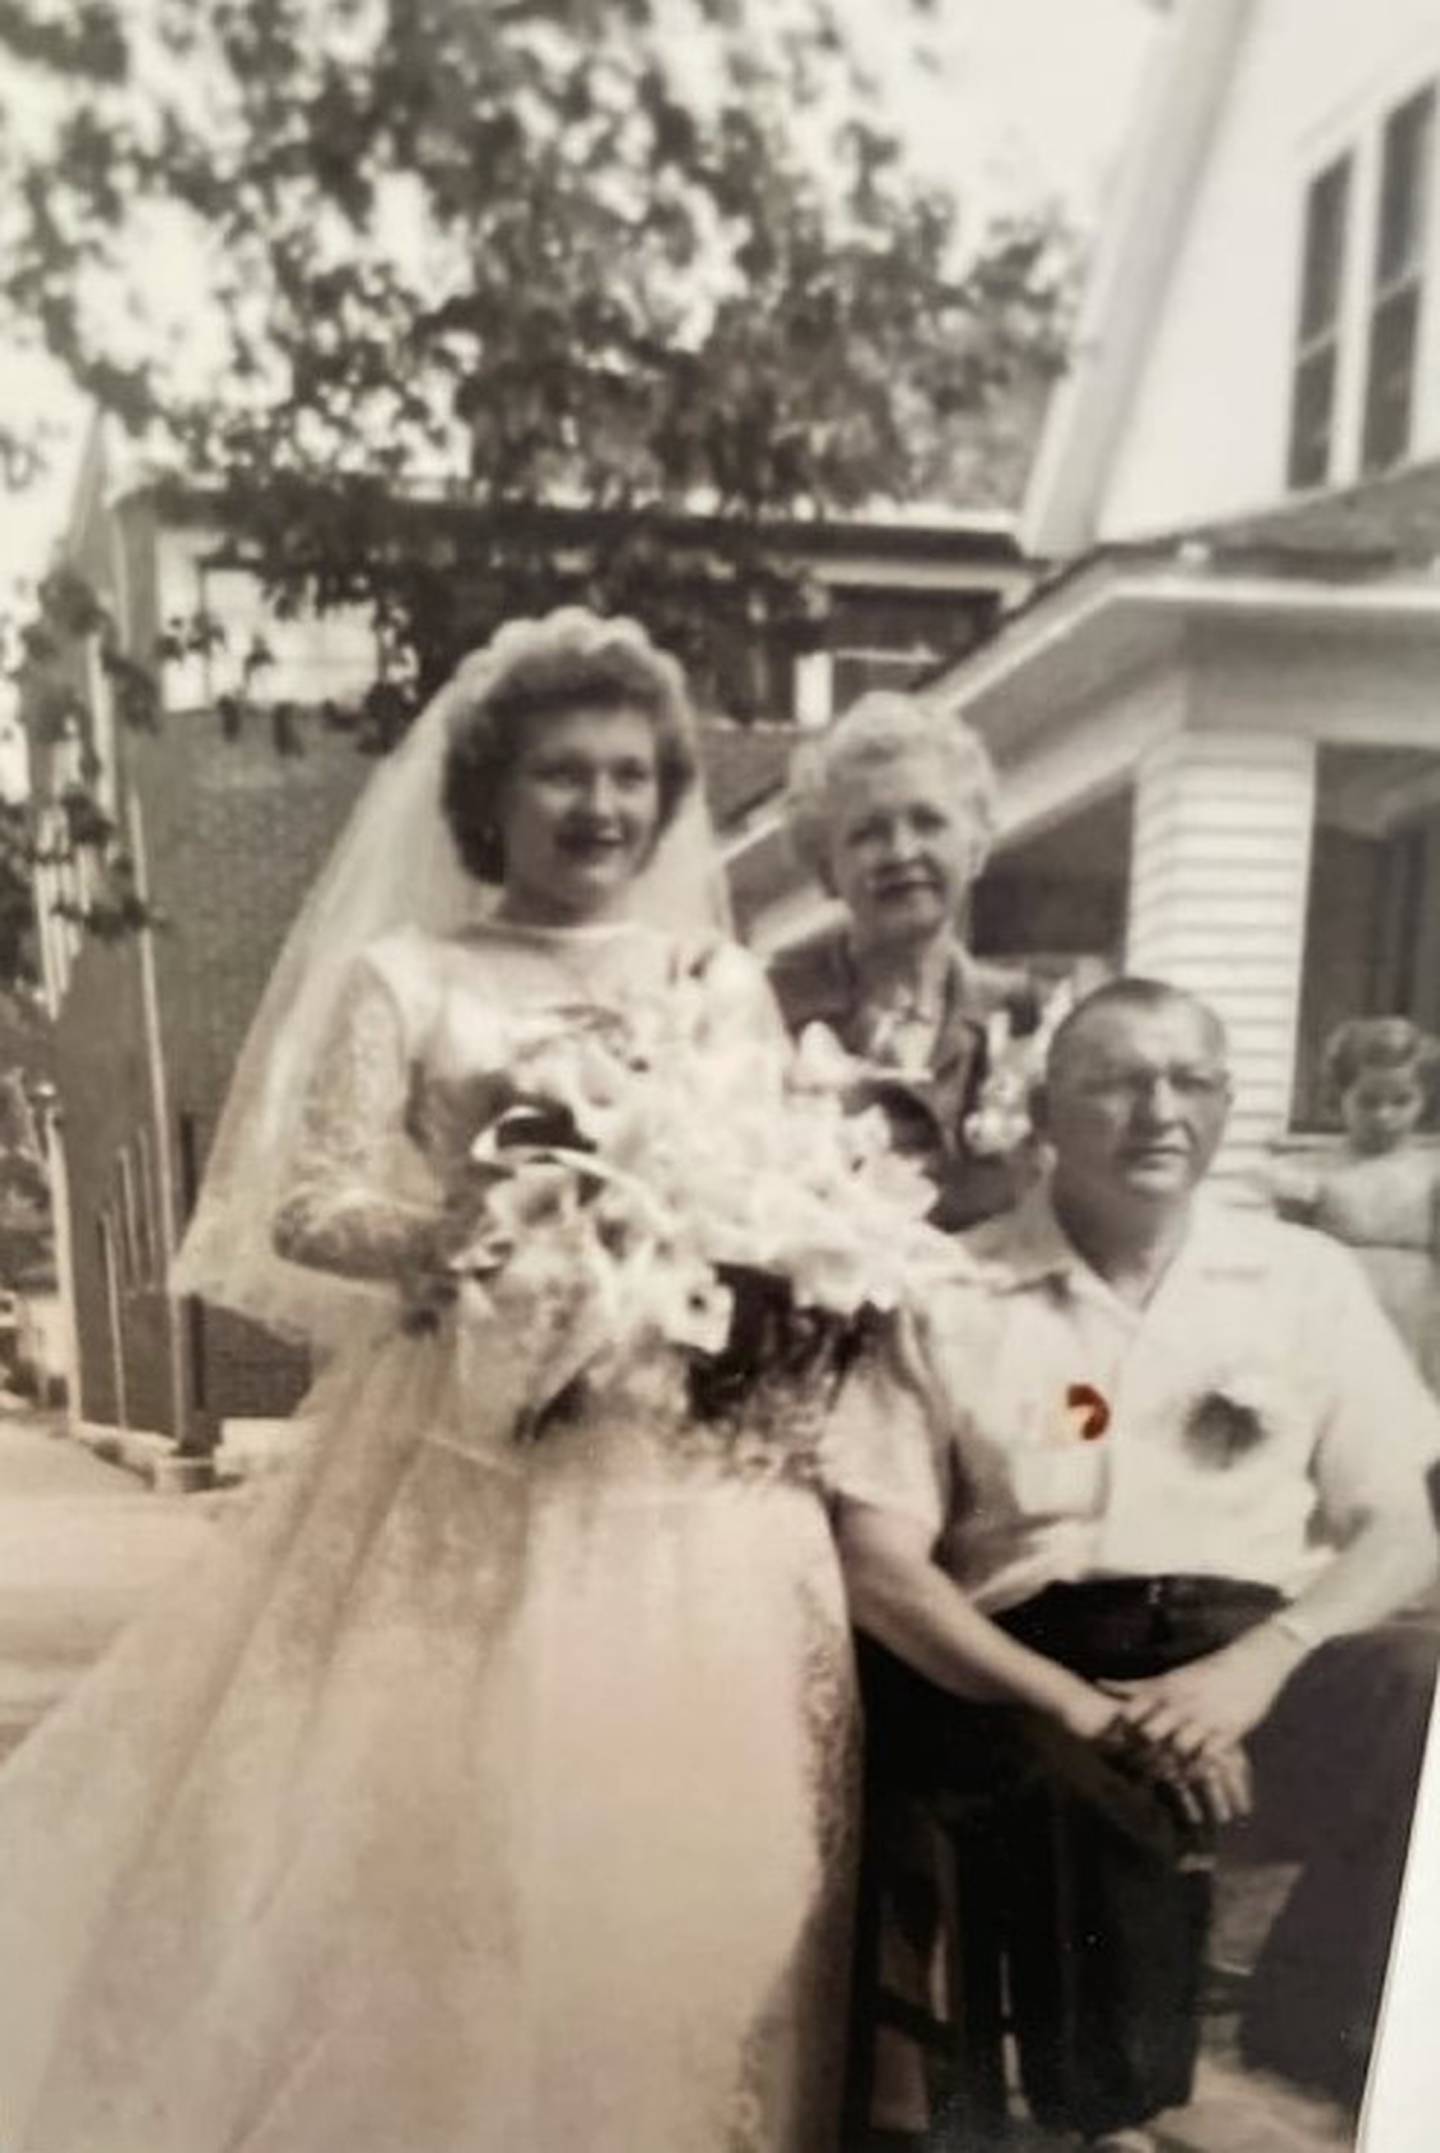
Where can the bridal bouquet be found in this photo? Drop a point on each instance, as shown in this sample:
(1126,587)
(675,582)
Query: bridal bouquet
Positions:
(646,1183)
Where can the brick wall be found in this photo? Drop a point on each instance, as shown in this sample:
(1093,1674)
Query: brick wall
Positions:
(101,1076)
(234,835)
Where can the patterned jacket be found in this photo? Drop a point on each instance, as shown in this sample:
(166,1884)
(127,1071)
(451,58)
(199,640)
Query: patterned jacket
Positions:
(816,981)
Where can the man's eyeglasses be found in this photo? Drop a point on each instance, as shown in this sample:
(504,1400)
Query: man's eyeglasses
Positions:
(1188,1081)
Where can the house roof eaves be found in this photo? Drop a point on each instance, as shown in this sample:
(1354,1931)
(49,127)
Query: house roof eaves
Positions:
(1385,528)
(1139,243)
(1121,581)
(1386,522)
(888,531)
(88,486)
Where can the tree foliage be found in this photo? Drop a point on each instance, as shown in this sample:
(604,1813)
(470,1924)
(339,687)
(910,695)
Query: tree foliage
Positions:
(626,256)
(41,655)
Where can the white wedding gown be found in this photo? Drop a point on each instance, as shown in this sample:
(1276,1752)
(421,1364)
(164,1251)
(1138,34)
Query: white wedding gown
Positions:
(470,1796)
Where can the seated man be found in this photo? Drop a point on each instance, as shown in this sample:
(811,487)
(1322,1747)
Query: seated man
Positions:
(1083,1526)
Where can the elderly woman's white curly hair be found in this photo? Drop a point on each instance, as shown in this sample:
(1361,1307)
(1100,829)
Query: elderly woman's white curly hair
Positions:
(880,728)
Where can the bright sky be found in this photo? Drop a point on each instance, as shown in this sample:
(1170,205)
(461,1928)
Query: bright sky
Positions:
(1032,97)
(1031,101)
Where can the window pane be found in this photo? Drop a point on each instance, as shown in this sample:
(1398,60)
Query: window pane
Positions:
(1325,211)
(1404,182)
(1391,378)
(1309,461)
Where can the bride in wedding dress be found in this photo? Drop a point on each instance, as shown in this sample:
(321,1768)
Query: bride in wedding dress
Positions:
(490,1787)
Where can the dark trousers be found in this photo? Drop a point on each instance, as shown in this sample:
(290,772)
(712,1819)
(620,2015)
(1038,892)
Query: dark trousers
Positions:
(1337,1766)
(1097,1896)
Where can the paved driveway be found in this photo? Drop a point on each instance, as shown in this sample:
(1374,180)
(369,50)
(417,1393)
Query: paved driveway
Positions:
(81,1544)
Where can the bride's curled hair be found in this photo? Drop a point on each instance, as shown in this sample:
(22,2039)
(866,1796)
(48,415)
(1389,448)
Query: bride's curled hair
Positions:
(534,670)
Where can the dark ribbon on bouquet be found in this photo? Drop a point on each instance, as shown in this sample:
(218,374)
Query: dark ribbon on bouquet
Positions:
(772,1340)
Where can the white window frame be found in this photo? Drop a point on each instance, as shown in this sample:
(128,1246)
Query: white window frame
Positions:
(131,1270)
(1357,127)
(1325,339)
(1405,279)
(148,1209)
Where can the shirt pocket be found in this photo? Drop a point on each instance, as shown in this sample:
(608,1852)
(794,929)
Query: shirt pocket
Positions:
(1058,1480)
(1026,1455)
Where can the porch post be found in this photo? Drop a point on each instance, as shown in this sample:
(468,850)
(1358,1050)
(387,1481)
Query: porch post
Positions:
(1219,884)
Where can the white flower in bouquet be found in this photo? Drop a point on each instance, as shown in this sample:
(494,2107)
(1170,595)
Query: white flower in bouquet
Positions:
(1000,1123)
(643,1170)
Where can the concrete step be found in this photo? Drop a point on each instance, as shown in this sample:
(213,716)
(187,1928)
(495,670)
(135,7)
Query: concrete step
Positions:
(1235,2111)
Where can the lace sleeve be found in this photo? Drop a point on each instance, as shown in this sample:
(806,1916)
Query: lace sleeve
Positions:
(348,1209)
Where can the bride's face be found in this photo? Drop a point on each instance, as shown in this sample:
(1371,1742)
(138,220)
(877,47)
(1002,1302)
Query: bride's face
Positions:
(579,813)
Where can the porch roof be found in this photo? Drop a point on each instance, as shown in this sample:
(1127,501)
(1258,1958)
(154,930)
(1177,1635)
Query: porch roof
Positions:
(1359,562)
(1379,526)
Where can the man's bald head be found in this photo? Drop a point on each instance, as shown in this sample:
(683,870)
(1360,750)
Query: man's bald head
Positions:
(1143,997)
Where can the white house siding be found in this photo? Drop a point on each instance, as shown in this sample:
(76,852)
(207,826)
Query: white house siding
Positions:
(1208,431)
(333,654)
(1218,882)
(1365,684)
(1088,754)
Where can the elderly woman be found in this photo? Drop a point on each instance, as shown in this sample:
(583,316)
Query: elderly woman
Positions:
(893,809)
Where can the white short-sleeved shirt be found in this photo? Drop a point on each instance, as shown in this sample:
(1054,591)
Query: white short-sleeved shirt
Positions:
(1258,1407)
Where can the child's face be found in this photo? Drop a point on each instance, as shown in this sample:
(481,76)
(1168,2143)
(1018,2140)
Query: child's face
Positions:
(1382,1109)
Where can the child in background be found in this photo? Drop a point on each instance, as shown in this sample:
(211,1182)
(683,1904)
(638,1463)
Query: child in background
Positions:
(1381,1195)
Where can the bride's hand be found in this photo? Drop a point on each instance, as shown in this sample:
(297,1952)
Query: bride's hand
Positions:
(426,1297)
(429,1283)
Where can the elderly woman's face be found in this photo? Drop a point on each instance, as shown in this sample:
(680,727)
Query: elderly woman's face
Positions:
(901,853)
(580,813)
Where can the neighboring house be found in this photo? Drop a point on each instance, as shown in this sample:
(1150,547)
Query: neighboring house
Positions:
(1218,716)
(32,1357)
(227,834)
